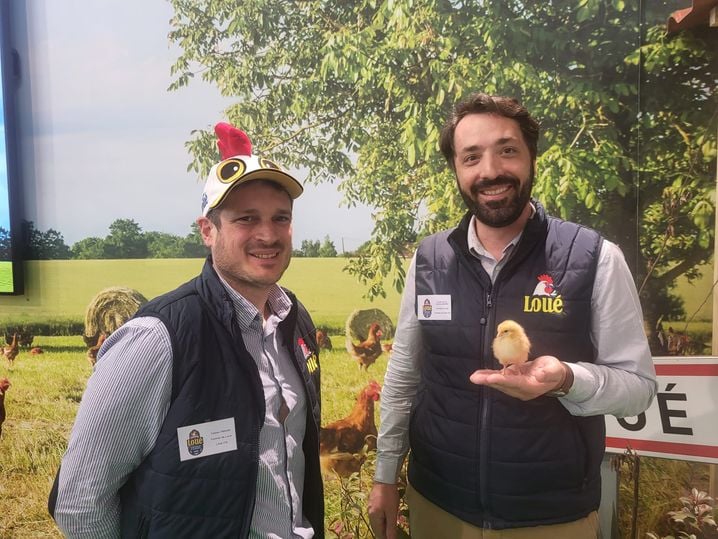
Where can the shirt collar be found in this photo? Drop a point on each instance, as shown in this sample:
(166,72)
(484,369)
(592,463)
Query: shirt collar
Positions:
(477,249)
(278,303)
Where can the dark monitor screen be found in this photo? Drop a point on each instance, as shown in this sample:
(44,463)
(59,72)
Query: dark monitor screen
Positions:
(10,267)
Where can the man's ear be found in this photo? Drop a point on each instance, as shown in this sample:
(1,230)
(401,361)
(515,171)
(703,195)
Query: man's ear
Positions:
(206,229)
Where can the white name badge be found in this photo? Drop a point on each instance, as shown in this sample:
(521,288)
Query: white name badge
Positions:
(433,307)
(204,439)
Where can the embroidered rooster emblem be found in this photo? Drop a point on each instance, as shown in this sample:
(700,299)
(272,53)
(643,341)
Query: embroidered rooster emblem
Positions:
(545,286)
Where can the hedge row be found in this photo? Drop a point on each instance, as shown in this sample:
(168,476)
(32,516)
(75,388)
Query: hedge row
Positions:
(46,328)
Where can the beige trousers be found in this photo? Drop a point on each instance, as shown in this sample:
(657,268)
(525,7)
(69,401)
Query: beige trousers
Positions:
(427,521)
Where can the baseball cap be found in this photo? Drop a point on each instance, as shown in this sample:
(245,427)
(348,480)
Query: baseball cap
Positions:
(240,166)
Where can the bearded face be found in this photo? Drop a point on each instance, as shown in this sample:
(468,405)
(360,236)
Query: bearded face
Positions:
(494,168)
(503,211)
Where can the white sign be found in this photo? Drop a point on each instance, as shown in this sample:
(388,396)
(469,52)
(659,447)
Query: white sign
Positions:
(682,421)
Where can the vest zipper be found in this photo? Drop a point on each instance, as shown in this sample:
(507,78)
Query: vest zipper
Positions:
(483,430)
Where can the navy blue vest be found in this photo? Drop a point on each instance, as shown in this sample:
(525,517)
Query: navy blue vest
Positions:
(490,459)
(214,377)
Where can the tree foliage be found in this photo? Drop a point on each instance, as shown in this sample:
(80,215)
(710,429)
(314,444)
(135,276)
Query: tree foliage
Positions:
(89,248)
(358,91)
(125,240)
(164,245)
(194,246)
(5,250)
(327,249)
(316,249)
(46,245)
(310,248)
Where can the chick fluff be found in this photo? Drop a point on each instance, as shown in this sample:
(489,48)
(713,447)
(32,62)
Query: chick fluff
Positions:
(511,345)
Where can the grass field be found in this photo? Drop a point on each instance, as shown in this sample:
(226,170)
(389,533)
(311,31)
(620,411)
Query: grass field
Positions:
(42,403)
(46,391)
(5,276)
(63,288)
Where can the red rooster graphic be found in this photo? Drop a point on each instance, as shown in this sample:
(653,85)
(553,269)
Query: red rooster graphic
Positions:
(545,286)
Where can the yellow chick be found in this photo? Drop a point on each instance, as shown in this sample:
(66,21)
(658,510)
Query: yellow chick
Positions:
(511,345)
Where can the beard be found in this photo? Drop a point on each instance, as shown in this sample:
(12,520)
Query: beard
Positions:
(499,213)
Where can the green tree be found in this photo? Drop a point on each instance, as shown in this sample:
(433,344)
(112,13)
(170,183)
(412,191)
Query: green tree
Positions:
(310,248)
(91,248)
(126,240)
(164,245)
(49,245)
(327,249)
(194,247)
(359,91)
(5,250)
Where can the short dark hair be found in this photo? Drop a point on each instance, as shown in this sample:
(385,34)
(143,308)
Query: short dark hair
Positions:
(480,103)
(214,214)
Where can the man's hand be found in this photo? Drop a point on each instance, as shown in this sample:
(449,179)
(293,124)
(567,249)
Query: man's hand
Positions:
(383,510)
(525,381)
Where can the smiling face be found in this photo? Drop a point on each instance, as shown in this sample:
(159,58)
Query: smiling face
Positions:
(494,169)
(252,244)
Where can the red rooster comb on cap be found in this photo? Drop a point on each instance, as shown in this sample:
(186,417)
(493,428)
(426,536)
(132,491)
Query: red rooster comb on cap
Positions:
(232,141)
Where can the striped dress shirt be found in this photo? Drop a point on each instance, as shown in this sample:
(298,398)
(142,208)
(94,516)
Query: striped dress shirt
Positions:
(127,399)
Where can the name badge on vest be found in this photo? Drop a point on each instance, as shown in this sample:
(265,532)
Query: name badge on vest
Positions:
(205,439)
(433,307)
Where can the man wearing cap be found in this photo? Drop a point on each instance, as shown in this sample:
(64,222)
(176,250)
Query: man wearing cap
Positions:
(201,418)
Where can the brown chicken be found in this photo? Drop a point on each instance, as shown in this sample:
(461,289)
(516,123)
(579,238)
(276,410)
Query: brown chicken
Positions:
(4,385)
(92,351)
(344,443)
(37,350)
(10,352)
(323,340)
(368,351)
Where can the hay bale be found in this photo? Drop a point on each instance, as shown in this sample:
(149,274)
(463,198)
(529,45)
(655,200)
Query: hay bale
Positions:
(357,327)
(108,310)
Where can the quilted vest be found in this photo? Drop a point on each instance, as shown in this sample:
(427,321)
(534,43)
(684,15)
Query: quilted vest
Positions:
(490,459)
(213,378)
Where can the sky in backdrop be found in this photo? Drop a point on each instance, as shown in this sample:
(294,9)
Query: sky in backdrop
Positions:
(102,138)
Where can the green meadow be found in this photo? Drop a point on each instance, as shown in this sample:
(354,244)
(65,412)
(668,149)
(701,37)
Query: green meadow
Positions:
(5,276)
(60,289)
(42,402)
